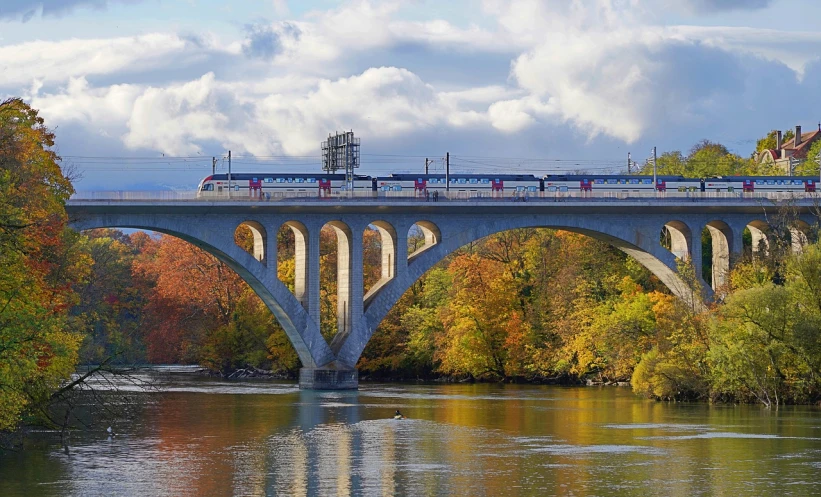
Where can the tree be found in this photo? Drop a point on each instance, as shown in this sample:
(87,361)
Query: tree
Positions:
(769,141)
(39,260)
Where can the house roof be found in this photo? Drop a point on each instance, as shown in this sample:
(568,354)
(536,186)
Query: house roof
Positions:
(806,141)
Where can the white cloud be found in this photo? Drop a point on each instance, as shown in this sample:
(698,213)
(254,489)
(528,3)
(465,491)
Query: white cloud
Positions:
(48,61)
(178,119)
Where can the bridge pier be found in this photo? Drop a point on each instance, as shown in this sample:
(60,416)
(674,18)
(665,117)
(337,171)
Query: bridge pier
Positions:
(328,379)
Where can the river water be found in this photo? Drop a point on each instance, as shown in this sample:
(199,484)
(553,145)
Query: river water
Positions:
(201,436)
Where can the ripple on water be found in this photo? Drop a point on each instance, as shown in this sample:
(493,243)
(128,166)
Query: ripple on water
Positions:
(563,450)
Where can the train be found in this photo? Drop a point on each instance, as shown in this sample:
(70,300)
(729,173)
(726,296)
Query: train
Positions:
(283,184)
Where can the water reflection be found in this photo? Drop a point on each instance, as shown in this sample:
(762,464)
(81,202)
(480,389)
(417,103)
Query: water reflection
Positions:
(246,439)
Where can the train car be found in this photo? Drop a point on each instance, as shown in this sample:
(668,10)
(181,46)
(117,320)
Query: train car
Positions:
(276,185)
(616,183)
(466,185)
(760,184)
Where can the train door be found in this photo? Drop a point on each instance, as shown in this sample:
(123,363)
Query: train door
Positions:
(420,187)
(497,187)
(255,188)
(661,185)
(324,187)
(809,185)
(748,186)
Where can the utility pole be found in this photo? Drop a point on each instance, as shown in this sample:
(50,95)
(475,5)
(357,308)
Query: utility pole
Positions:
(213,165)
(229,174)
(447,171)
(793,163)
(628,162)
(818,158)
(655,178)
(426,165)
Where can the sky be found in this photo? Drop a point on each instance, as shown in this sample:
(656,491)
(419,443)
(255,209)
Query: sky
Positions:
(143,93)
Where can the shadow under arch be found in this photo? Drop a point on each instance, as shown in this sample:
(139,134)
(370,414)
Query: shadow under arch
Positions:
(260,236)
(432,238)
(681,239)
(388,240)
(722,245)
(660,264)
(269,289)
(799,235)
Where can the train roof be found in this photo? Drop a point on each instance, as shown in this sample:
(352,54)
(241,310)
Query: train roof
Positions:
(249,176)
(503,177)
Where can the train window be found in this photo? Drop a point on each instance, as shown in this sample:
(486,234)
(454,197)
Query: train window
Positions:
(485,181)
(797,182)
(531,188)
(386,188)
(300,180)
(269,180)
(236,188)
(397,188)
(779,182)
(770,182)
(462,181)
(208,188)
(420,180)
(647,181)
(730,189)
(311,180)
(612,181)
(551,188)
(634,181)
(290,180)
(598,181)
(473,181)
(497,181)
(280,180)
(255,180)
(759,182)
(562,188)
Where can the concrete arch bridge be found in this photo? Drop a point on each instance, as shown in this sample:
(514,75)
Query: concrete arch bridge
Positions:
(633,226)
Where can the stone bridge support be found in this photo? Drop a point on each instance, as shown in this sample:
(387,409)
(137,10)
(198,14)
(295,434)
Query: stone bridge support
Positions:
(636,230)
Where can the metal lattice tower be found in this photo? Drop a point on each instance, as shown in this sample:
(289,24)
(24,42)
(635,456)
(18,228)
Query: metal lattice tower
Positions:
(341,151)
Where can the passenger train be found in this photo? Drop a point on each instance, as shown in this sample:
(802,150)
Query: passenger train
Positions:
(282,184)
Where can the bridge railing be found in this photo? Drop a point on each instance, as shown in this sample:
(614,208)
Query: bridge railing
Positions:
(462,196)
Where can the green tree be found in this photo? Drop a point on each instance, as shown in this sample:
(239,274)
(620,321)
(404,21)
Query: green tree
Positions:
(39,260)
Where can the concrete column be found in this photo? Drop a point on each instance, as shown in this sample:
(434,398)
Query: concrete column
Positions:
(401,260)
(271,259)
(345,275)
(312,274)
(696,252)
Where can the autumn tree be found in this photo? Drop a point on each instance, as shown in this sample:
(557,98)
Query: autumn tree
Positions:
(39,258)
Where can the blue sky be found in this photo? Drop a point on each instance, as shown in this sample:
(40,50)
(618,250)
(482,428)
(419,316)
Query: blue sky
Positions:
(131,86)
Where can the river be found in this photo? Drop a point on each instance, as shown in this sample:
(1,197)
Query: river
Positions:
(202,436)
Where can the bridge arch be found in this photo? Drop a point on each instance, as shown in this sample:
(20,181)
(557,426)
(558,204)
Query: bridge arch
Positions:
(260,239)
(432,236)
(389,244)
(681,239)
(654,257)
(311,348)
